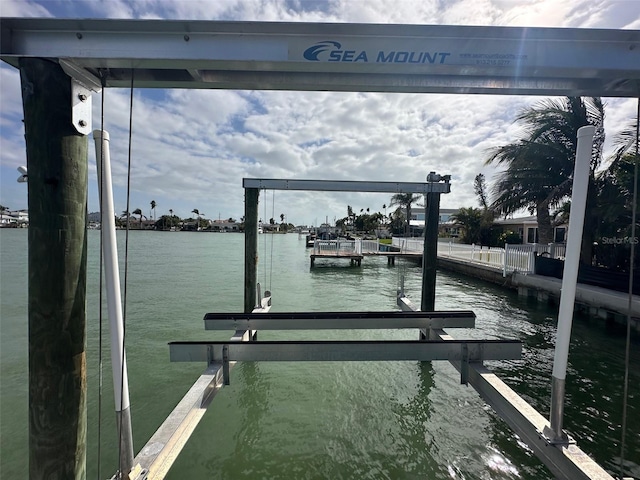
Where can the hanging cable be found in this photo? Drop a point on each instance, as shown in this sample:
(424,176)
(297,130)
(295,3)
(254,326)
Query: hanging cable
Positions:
(264,255)
(627,352)
(101,173)
(126,265)
(273,208)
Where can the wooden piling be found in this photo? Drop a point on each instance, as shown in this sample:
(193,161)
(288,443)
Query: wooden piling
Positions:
(57,244)
(251,196)
(430,255)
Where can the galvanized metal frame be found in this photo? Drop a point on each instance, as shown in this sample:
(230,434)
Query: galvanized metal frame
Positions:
(346,186)
(566,462)
(326,56)
(165,54)
(345,351)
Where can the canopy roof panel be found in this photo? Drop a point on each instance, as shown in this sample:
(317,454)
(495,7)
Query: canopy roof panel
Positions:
(333,56)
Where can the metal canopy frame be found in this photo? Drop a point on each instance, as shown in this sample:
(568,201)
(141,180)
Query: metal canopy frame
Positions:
(332,56)
(345,351)
(335,57)
(347,186)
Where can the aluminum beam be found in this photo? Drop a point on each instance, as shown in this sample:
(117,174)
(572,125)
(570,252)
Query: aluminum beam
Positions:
(345,186)
(337,57)
(158,455)
(338,320)
(345,351)
(566,462)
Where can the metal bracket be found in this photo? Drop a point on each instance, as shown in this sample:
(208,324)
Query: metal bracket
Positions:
(83,84)
(551,438)
(80,107)
(225,364)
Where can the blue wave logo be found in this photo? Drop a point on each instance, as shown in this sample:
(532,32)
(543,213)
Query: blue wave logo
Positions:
(312,53)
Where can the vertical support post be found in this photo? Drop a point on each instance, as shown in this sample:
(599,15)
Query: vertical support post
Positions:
(57,243)
(114,302)
(569,281)
(251,196)
(506,252)
(430,255)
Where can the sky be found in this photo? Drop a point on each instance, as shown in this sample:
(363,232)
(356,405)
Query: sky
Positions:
(191,148)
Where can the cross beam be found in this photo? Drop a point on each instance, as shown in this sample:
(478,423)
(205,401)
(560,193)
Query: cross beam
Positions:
(345,351)
(338,320)
(346,186)
(332,56)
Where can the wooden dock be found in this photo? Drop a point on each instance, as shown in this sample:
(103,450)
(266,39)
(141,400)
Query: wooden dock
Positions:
(356,250)
(355,258)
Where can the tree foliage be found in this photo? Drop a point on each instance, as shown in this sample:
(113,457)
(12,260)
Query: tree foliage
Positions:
(539,166)
(405,200)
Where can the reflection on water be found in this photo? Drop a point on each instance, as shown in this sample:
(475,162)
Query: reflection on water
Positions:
(321,420)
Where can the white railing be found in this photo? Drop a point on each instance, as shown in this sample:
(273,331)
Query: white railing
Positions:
(337,247)
(369,246)
(511,258)
(408,244)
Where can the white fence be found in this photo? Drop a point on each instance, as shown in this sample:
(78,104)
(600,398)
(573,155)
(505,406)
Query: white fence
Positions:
(511,258)
(408,244)
(337,247)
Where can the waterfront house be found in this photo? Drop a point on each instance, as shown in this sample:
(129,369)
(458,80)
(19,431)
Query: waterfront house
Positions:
(14,218)
(527,228)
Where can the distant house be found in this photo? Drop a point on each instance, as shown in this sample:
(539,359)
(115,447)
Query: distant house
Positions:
(527,228)
(14,218)
(446,226)
(223,226)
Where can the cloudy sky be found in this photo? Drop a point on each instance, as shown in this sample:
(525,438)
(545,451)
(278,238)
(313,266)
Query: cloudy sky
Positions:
(191,148)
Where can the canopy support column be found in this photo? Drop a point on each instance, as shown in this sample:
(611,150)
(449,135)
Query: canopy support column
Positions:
(251,196)
(57,243)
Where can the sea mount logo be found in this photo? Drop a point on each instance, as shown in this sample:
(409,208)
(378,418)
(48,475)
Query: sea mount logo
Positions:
(332,51)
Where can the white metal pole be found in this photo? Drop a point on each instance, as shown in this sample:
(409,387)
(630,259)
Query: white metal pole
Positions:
(570,280)
(114,302)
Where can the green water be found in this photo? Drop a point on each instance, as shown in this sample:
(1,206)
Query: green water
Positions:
(317,420)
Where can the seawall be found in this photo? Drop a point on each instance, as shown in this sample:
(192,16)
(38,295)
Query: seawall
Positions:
(609,305)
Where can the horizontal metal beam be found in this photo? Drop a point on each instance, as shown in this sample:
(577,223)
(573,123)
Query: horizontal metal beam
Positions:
(337,57)
(345,186)
(345,351)
(338,320)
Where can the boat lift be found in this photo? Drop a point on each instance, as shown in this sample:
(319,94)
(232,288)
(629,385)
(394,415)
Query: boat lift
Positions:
(97,54)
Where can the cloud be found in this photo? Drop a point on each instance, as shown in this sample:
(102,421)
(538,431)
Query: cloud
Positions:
(191,149)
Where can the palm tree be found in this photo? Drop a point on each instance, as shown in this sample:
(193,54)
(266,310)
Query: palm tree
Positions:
(197,212)
(405,200)
(137,211)
(153,207)
(470,219)
(540,165)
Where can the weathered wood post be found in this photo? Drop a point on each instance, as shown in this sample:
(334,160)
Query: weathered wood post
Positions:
(57,239)
(251,196)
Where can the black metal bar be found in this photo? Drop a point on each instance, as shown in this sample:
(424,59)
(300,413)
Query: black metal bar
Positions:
(338,320)
(339,315)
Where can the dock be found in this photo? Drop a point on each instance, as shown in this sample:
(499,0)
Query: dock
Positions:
(356,250)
